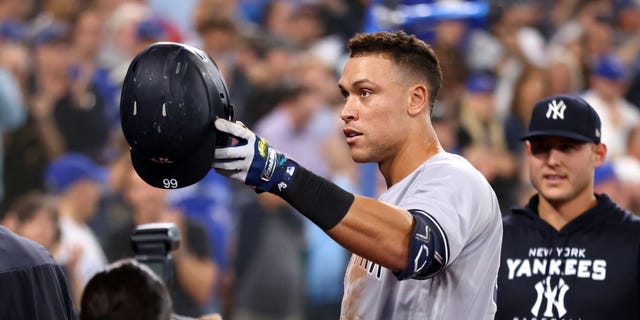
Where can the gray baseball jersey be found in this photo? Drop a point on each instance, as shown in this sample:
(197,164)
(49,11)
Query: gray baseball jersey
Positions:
(464,207)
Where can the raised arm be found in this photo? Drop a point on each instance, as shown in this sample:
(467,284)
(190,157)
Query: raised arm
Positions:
(376,231)
(409,243)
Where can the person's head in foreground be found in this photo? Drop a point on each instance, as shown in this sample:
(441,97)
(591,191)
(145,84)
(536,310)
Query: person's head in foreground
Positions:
(126,289)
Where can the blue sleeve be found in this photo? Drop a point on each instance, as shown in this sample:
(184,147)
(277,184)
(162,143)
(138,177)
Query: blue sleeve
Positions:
(428,253)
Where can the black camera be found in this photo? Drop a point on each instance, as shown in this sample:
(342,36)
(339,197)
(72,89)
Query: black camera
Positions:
(152,244)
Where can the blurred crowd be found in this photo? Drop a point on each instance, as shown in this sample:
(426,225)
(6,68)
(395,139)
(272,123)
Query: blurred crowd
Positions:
(67,179)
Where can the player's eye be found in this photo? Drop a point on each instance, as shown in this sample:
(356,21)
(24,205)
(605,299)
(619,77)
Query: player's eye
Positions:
(344,94)
(365,93)
(540,148)
(568,147)
(544,148)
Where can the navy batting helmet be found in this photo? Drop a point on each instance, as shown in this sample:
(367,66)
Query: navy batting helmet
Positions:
(171,95)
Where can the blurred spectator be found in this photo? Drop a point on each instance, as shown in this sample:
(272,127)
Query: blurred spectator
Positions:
(16,9)
(268,228)
(39,140)
(325,260)
(321,77)
(482,137)
(12,115)
(344,18)
(567,61)
(231,50)
(61,11)
(531,86)
(267,68)
(598,33)
(86,70)
(276,18)
(510,43)
(195,269)
(35,216)
(70,118)
(16,59)
(210,203)
(179,15)
(627,168)
(76,106)
(449,46)
(220,38)
(76,180)
(606,181)
(33,285)
(608,82)
(120,41)
(308,30)
(446,125)
(271,222)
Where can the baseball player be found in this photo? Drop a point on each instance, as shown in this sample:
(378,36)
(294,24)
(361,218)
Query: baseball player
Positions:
(429,248)
(569,253)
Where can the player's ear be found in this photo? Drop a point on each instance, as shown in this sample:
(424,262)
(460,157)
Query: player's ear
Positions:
(527,147)
(599,154)
(419,99)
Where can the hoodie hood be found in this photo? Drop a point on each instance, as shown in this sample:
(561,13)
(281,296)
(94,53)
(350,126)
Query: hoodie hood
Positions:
(529,215)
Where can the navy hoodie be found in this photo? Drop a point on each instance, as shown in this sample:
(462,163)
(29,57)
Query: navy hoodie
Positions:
(587,270)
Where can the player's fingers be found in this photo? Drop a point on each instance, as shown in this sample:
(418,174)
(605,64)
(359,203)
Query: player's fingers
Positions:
(233,128)
(230,166)
(233,174)
(229,153)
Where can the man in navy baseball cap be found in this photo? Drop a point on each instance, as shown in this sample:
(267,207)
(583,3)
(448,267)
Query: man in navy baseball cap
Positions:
(568,212)
(564,116)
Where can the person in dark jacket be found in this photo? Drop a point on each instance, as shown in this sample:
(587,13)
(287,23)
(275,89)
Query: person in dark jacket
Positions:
(32,285)
(569,253)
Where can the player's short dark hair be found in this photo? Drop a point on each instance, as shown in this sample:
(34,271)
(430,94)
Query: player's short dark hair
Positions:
(412,54)
(125,290)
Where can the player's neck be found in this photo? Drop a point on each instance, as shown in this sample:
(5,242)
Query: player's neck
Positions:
(408,159)
(559,213)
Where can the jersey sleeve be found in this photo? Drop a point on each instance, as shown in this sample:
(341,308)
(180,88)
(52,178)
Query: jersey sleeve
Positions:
(457,206)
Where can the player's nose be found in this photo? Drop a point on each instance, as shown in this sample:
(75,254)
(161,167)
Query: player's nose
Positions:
(349,110)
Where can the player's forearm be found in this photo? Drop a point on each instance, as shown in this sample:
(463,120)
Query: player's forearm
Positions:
(367,227)
(376,231)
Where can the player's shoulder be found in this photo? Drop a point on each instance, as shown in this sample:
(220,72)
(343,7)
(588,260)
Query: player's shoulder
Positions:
(19,252)
(451,165)
(612,213)
(452,171)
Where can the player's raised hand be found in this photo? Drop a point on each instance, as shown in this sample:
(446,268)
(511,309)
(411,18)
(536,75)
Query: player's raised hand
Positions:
(252,160)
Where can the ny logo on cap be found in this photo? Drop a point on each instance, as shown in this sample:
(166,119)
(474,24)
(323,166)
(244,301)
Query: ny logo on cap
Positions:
(556,110)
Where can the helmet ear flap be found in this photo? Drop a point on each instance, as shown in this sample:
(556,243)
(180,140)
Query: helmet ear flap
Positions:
(171,95)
